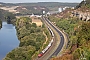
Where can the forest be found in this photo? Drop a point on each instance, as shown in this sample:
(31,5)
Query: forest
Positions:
(31,39)
(7,16)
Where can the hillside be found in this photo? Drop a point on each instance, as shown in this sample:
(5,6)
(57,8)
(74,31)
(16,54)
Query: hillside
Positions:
(48,4)
(76,23)
(36,8)
(6,15)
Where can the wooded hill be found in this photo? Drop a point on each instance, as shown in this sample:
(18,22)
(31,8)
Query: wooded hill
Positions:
(78,32)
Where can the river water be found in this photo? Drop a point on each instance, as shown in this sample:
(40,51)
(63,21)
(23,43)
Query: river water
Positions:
(8,39)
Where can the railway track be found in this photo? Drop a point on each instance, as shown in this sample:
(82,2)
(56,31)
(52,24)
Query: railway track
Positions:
(51,51)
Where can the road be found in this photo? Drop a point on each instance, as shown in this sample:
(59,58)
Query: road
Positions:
(52,51)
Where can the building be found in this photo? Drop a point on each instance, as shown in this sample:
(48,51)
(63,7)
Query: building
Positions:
(60,9)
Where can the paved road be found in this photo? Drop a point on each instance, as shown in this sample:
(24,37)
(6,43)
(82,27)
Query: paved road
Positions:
(61,40)
(49,54)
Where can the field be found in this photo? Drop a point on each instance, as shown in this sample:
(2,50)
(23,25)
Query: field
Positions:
(37,21)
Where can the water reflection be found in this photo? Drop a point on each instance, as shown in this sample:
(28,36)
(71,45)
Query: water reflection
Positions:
(0,24)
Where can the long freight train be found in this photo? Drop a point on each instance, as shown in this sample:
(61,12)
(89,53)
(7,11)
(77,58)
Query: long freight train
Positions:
(49,45)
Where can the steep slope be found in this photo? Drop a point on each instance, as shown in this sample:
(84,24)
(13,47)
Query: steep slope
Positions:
(78,31)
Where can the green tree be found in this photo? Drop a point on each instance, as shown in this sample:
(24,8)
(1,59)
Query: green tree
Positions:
(34,25)
(21,53)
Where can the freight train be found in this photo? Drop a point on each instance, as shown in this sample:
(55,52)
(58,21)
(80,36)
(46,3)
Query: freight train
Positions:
(52,34)
(49,45)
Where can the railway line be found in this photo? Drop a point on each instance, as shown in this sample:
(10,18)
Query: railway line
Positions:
(48,54)
(49,45)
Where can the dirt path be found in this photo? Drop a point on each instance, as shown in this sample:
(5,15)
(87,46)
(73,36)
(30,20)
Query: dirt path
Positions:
(46,39)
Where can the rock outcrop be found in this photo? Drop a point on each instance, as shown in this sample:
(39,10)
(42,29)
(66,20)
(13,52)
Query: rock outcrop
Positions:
(81,15)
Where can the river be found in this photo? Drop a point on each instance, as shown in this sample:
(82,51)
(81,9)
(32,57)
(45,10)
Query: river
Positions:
(8,39)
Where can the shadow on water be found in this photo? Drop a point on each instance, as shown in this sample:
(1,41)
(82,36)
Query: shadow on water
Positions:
(9,22)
